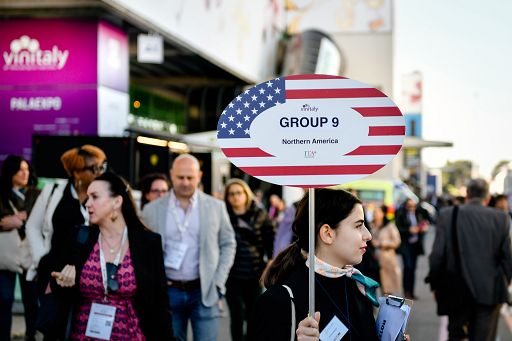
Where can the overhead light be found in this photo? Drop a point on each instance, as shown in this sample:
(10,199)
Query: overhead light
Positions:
(151,141)
(178,146)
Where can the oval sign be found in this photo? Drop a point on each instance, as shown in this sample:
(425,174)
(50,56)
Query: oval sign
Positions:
(311,130)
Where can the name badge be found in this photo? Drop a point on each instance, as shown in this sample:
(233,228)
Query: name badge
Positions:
(176,255)
(334,331)
(101,321)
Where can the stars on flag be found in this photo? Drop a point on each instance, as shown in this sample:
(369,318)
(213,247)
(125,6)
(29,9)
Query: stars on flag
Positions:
(249,104)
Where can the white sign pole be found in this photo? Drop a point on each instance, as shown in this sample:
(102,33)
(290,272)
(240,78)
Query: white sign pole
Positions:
(311,254)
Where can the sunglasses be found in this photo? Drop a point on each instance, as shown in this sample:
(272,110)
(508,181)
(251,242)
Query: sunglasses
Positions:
(97,169)
(112,283)
(232,194)
(158,191)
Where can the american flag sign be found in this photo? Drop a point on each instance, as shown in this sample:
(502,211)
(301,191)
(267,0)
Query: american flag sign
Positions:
(311,130)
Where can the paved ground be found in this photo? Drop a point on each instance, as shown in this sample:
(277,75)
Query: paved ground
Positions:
(423,324)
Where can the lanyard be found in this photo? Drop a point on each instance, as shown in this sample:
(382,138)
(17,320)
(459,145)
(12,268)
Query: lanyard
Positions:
(182,225)
(345,317)
(103,264)
(74,194)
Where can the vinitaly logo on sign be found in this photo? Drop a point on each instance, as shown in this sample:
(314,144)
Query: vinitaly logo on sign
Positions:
(27,55)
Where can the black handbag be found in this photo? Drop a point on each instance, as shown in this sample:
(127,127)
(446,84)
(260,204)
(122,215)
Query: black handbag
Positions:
(55,314)
(54,317)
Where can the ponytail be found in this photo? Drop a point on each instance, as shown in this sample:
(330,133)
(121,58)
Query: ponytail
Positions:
(332,206)
(281,266)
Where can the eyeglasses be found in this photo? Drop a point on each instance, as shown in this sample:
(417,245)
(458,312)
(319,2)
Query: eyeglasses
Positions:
(158,191)
(97,169)
(112,283)
(232,194)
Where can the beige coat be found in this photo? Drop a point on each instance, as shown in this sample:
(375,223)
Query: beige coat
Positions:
(387,240)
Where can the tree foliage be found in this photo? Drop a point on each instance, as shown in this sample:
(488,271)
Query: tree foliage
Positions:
(456,174)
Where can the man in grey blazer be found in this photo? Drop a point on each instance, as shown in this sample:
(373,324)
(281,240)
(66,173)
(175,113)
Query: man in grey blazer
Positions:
(485,263)
(199,249)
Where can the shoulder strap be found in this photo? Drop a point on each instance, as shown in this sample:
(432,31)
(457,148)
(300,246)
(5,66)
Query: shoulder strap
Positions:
(455,240)
(292,331)
(55,185)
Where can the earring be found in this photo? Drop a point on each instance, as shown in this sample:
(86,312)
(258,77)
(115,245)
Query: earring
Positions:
(113,216)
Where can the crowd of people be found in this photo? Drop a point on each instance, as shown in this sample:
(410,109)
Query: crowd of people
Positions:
(93,264)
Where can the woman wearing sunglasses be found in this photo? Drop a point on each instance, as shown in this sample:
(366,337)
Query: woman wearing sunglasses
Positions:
(56,214)
(153,186)
(59,208)
(118,282)
(254,234)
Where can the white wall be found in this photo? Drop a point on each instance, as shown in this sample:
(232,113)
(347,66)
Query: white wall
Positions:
(238,35)
(368,58)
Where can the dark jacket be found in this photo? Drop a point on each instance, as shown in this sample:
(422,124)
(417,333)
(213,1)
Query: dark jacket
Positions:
(31,195)
(254,234)
(151,302)
(271,318)
(485,251)
(403,223)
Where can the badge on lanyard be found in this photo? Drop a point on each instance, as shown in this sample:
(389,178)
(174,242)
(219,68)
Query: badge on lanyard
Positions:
(101,321)
(176,255)
(334,330)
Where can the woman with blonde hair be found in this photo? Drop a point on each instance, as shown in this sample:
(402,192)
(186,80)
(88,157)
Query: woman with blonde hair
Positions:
(59,210)
(254,235)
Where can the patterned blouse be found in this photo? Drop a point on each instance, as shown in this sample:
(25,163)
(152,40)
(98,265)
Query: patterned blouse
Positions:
(126,323)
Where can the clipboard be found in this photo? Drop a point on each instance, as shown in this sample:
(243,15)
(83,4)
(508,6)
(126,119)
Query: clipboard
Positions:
(392,318)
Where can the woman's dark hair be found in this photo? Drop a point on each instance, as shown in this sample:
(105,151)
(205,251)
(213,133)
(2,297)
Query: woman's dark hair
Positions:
(11,166)
(118,186)
(331,207)
(145,185)
(385,211)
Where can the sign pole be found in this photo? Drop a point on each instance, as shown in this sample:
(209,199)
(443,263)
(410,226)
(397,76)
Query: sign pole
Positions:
(311,253)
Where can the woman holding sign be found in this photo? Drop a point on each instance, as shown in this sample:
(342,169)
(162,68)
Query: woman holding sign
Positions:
(116,280)
(343,296)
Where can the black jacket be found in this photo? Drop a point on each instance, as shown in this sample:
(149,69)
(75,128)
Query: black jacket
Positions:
(271,318)
(254,234)
(403,223)
(151,301)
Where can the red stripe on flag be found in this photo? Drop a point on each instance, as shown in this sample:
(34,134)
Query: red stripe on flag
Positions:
(245,152)
(386,130)
(333,93)
(313,186)
(377,112)
(376,150)
(299,77)
(311,170)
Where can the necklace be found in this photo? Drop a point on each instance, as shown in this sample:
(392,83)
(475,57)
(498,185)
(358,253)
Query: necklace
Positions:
(111,249)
